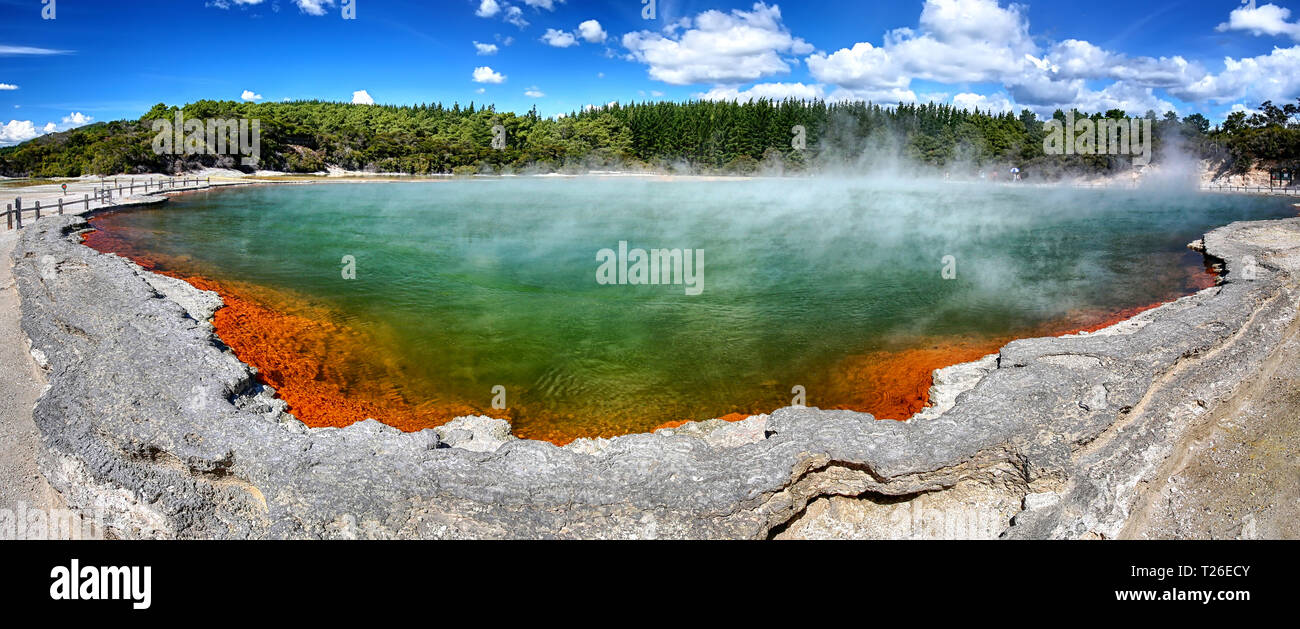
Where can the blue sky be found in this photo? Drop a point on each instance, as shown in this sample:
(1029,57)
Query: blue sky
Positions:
(99,60)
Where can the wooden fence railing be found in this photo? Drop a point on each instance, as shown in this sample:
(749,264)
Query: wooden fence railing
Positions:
(1284,191)
(105,194)
(1289,191)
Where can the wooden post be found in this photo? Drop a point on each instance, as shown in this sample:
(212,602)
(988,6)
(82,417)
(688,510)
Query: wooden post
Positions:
(9,215)
(38,210)
(18,212)
(60,206)
(86,199)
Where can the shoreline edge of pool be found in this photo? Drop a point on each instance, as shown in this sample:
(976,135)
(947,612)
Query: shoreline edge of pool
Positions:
(150,424)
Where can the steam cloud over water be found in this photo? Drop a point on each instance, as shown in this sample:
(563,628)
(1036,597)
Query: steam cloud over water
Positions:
(465,285)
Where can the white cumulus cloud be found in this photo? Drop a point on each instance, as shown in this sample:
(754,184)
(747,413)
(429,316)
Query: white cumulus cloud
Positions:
(860,67)
(593,32)
(515,15)
(1269,19)
(17,131)
(956,41)
(76,119)
(963,42)
(717,47)
(1264,77)
(362,97)
(488,8)
(559,38)
(250,95)
(485,74)
(313,7)
(770,91)
(997,103)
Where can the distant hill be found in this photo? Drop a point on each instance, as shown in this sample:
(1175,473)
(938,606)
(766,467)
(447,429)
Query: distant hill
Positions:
(702,136)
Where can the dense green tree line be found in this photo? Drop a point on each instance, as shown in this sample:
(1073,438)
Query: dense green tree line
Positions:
(703,136)
(1268,137)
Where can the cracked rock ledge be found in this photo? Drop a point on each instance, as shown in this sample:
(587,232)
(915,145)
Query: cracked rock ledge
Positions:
(151,424)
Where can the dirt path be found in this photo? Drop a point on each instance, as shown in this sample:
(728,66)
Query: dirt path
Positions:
(21,384)
(1237,475)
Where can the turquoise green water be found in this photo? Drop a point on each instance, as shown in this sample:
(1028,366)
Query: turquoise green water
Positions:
(465,285)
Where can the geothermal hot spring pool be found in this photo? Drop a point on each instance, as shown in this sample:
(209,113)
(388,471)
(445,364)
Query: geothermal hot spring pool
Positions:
(836,286)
